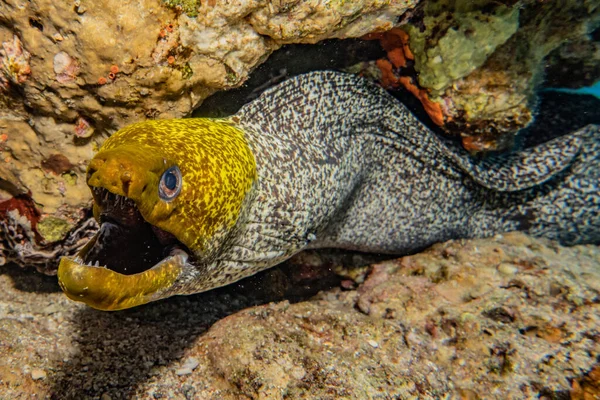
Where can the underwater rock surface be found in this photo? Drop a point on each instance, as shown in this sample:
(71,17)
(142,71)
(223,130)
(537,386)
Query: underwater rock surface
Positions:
(476,66)
(504,317)
(71,73)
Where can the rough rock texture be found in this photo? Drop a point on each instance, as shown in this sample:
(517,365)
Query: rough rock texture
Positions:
(498,99)
(71,73)
(109,62)
(506,317)
(477,65)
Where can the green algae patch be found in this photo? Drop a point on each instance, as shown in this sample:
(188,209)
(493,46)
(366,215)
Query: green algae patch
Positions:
(70,178)
(53,229)
(186,71)
(457,40)
(189,7)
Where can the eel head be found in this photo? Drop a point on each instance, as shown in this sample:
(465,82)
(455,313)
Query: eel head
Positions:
(166,195)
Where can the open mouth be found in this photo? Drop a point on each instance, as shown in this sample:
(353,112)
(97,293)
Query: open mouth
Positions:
(127,263)
(126,243)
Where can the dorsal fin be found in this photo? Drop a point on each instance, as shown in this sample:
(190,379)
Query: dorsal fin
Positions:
(523,169)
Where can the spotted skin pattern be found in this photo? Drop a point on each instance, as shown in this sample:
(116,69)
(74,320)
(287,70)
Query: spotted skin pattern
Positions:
(329,160)
(342,164)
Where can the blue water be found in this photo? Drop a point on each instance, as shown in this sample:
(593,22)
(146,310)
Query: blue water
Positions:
(593,90)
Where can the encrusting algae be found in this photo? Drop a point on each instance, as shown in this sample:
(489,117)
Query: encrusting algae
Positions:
(324,160)
(395,43)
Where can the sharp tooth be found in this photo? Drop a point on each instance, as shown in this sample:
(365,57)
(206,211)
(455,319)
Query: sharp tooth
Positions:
(97,264)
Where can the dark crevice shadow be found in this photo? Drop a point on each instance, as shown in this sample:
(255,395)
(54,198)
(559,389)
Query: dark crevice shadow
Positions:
(555,113)
(558,114)
(29,280)
(289,61)
(116,352)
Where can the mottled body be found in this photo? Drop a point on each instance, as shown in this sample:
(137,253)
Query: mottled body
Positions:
(342,164)
(324,160)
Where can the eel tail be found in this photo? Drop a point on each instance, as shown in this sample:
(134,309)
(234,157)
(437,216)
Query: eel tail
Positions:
(550,190)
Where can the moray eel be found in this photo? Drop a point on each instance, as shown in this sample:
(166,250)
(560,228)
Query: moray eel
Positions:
(324,160)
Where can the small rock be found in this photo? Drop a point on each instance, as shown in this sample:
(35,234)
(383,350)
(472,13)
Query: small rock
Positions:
(507,269)
(37,374)
(347,284)
(373,343)
(66,67)
(500,314)
(298,373)
(183,371)
(188,366)
(51,309)
(83,128)
(479,291)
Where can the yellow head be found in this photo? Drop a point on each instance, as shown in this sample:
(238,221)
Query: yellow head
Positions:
(166,193)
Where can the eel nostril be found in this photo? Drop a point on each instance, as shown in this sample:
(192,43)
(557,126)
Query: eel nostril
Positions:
(91,171)
(126,180)
(93,167)
(126,177)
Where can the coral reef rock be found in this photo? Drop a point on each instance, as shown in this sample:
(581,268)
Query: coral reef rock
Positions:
(73,72)
(477,65)
(504,317)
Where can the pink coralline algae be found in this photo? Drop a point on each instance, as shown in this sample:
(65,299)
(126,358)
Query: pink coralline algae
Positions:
(66,67)
(15,61)
(83,129)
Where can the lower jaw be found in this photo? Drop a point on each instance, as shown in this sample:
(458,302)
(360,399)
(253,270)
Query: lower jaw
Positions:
(142,261)
(104,289)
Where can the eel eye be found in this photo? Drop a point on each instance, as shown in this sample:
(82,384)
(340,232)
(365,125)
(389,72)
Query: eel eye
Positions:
(170,184)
